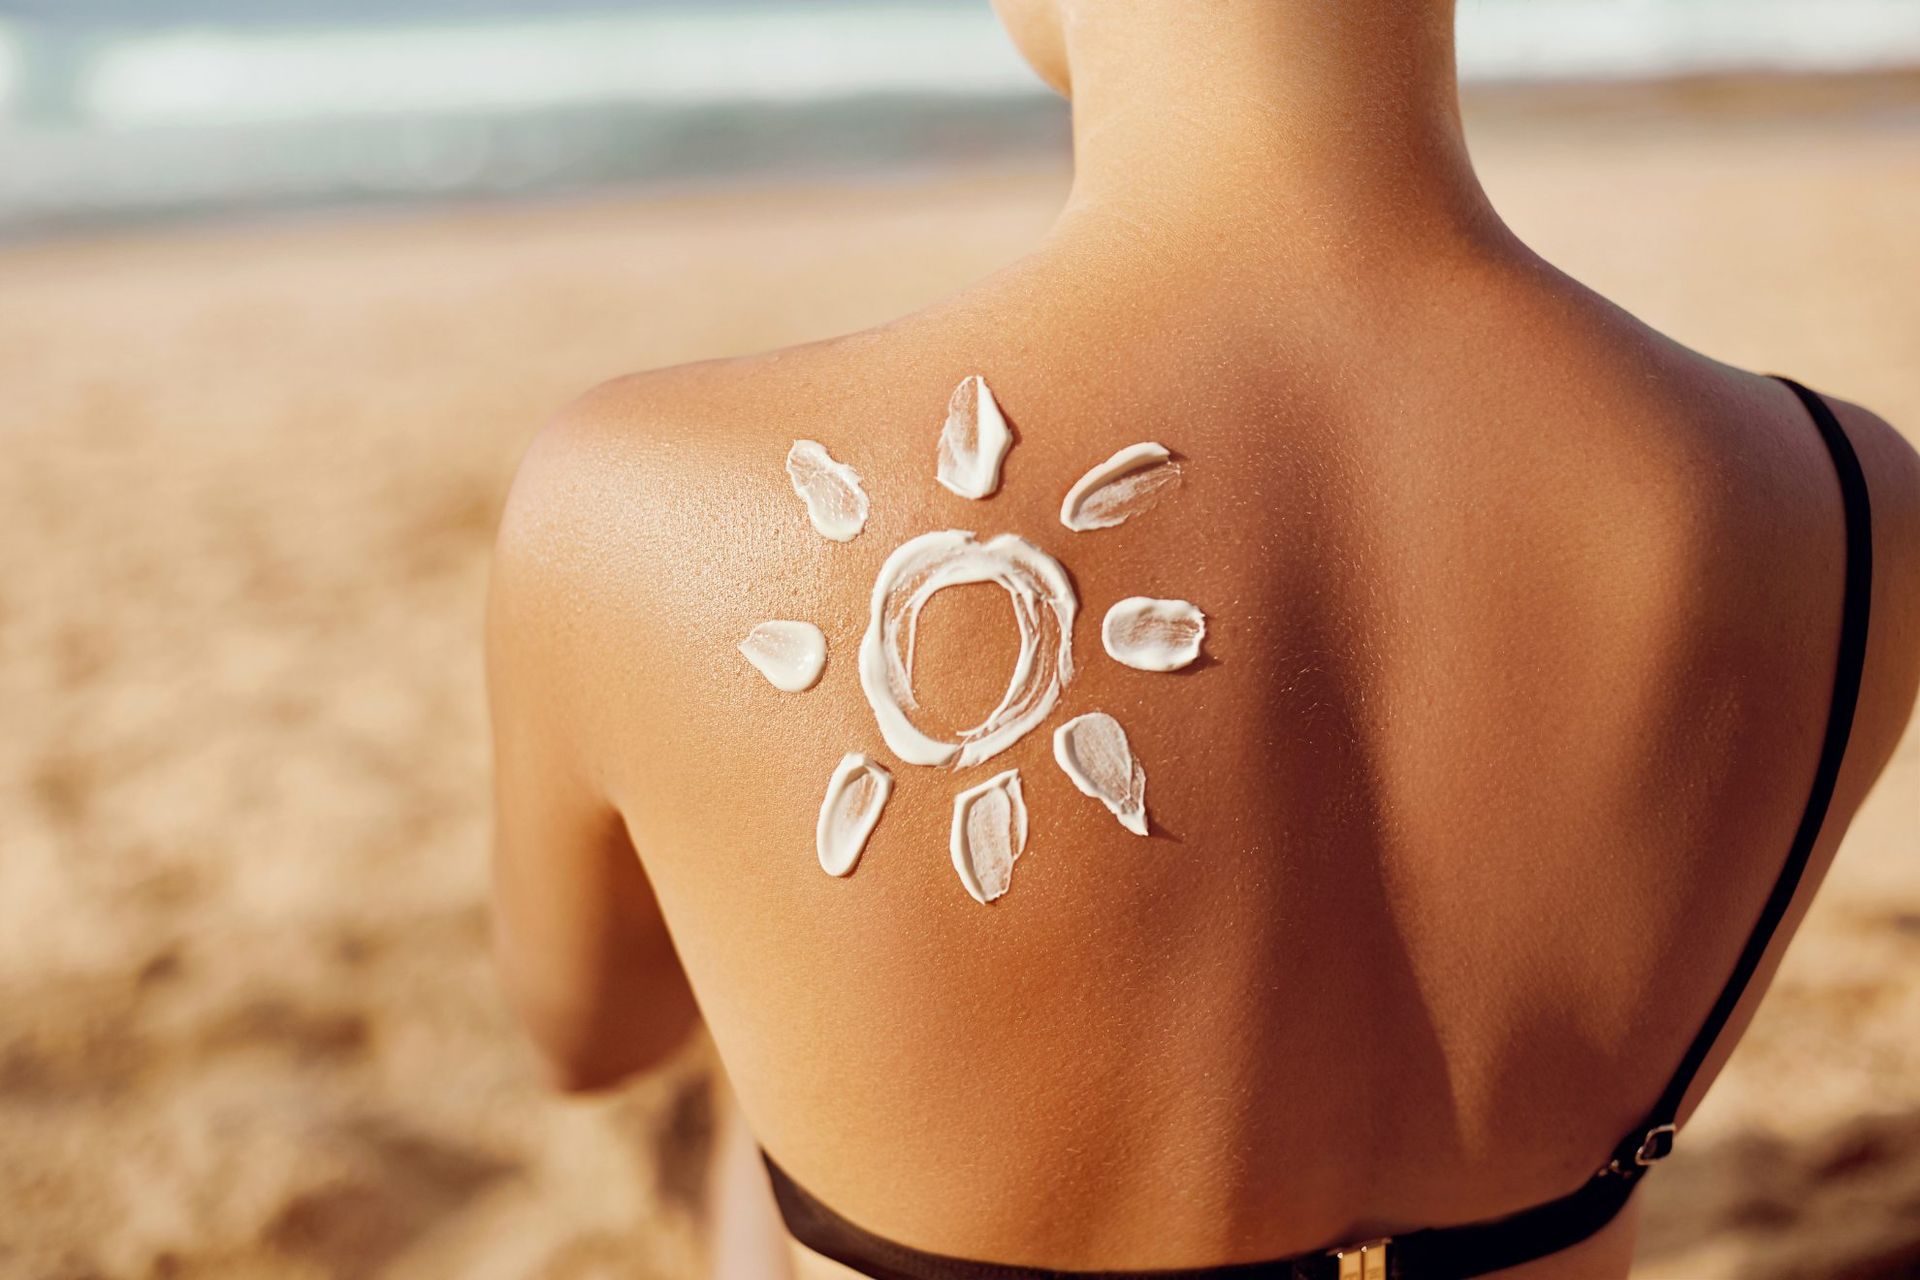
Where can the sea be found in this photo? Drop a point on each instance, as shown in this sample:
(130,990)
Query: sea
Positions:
(114,111)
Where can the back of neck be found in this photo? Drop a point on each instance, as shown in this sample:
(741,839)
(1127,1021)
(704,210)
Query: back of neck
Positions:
(1317,124)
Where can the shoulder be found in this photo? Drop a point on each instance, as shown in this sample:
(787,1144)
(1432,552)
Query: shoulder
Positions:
(602,502)
(564,501)
(1794,529)
(670,424)
(625,468)
(633,424)
(1891,466)
(632,511)
(660,463)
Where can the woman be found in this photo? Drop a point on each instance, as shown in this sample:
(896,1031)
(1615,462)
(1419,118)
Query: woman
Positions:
(1544,664)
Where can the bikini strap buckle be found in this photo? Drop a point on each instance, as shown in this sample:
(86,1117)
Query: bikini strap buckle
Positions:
(1364,1261)
(1655,1145)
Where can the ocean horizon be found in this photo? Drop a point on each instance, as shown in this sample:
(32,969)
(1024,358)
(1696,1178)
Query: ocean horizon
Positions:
(117,110)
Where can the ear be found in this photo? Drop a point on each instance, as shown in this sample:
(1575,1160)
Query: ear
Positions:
(1038,34)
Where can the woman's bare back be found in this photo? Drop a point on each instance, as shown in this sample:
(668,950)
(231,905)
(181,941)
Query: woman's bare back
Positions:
(1522,628)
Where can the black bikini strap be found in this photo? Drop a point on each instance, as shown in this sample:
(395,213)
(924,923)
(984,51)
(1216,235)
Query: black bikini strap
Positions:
(828,1234)
(1473,1249)
(1442,1253)
(1654,1139)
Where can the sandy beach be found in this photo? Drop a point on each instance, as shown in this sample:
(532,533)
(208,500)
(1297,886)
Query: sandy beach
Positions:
(247,1023)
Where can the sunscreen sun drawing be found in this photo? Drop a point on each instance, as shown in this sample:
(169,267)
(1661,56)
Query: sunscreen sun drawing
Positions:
(989,829)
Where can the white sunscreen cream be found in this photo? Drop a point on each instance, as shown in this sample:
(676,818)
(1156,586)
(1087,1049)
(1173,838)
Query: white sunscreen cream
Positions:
(974,441)
(1153,635)
(836,503)
(856,794)
(789,654)
(1123,486)
(989,833)
(1092,750)
(1043,608)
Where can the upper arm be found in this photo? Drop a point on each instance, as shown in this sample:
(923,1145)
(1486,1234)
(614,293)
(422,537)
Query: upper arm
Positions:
(583,952)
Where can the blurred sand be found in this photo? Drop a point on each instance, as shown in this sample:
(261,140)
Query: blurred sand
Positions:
(247,1026)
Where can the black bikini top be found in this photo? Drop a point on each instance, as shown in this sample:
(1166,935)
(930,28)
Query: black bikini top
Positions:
(1475,1248)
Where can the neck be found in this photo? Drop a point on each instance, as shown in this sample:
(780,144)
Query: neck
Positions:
(1318,124)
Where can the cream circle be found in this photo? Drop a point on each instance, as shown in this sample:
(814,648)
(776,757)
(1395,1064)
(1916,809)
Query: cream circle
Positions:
(1044,605)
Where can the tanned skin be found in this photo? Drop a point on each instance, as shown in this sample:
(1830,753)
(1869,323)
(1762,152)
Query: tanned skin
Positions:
(1523,623)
